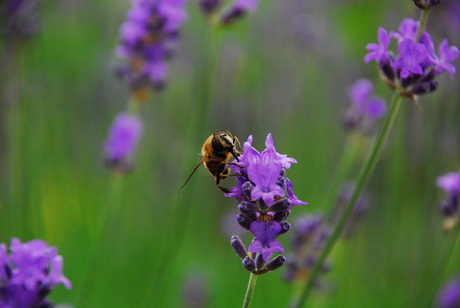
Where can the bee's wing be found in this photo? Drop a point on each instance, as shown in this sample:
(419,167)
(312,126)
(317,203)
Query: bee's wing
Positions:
(194,169)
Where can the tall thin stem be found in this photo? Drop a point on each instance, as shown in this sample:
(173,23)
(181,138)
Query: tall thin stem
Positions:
(361,182)
(250,290)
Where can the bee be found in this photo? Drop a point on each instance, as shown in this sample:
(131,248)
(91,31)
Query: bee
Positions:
(217,150)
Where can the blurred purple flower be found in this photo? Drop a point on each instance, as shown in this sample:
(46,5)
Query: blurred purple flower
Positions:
(148,38)
(450,183)
(124,134)
(412,71)
(19,19)
(310,233)
(365,108)
(265,199)
(449,295)
(427,4)
(29,273)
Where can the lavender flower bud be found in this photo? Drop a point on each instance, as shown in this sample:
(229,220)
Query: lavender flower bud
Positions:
(238,247)
(249,264)
(209,6)
(244,221)
(425,88)
(19,19)
(285,227)
(275,263)
(426,4)
(260,262)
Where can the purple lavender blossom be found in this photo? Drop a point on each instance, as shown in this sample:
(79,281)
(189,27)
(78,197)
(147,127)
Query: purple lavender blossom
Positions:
(19,19)
(450,183)
(124,134)
(148,38)
(413,69)
(265,199)
(265,239)
(365,108)
(449,295)
(29,273)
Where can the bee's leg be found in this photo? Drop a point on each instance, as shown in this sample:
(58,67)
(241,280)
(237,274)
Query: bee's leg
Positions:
(225,190)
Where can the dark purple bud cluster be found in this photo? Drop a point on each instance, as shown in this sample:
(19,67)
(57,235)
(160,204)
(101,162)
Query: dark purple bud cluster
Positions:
(413,69)
(19,19)
(308,239)
(265,199)
(427,4)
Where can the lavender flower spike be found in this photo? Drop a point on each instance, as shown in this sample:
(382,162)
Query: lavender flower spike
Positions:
(29,273)
(413,68)
(265,199)
(124,134)
(148,38)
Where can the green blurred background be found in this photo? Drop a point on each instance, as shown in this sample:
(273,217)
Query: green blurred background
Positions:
(286,69)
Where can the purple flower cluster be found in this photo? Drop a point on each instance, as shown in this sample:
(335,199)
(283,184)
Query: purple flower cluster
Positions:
(29,273)
(19,19)
(450,183)
(413,69)
(449,295)
(229,14)
(265,199)
(365,109)
(309,237)
(148,38)
(124,134)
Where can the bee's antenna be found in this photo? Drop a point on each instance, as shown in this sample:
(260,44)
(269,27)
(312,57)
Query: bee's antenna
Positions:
(194,169)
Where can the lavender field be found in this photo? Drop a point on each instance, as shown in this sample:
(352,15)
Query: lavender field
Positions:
(331,128)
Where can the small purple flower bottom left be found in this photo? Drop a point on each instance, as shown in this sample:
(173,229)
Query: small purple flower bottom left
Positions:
(29,273)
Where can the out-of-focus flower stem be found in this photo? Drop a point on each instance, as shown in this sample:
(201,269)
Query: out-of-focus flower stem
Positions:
(361,182)
(423,22)
(250,290)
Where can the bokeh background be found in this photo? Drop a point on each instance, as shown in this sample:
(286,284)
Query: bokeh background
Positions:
(285,69)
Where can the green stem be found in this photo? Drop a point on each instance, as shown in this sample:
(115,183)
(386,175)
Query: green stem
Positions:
(423,23)
(250,290)
(361,182)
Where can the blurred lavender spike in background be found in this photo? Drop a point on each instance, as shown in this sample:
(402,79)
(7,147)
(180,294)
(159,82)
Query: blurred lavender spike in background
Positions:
(148,39)
(450,183)
(365,108)
(19,19)
(29,273)
(123,137)
(449,294)
(195,291)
